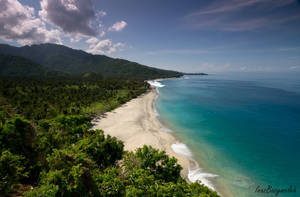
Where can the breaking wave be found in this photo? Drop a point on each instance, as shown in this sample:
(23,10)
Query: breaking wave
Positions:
(195,172)
(155,83)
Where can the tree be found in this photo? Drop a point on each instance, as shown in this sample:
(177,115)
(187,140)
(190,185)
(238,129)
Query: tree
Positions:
(109,182)
(104,150)
(158,163)
(11,171)
(69,171)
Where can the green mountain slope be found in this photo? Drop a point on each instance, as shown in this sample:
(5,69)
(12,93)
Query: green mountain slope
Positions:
(62,58)
(19,66)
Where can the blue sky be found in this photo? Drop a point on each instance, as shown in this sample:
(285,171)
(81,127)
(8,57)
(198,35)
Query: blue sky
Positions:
(191,36)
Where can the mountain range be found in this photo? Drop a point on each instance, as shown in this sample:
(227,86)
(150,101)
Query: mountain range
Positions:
(51,59)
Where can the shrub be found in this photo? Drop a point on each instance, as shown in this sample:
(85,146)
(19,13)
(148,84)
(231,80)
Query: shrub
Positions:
(70,171)
(160,164)
(104,150)
(11,170)
(17,135)
(44,191)
(108,183)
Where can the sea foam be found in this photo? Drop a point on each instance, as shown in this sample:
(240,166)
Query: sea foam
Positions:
(155,83)
(195,173)
(181,149)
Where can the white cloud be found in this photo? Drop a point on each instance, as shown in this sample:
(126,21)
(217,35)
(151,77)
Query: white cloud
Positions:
(103,46)
(76,38)
(92,42)
(18,23)
(71,16)
(118,26)
(70,5)
(68,19)
(233,15)
(236,5)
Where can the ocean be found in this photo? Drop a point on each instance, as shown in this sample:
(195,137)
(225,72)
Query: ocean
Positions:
(243,129)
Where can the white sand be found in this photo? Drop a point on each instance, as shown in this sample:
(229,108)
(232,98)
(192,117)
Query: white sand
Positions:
(136,124)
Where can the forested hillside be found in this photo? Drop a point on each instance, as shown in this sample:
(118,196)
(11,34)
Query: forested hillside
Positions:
(19,66)
(64,59)
(44,98)
(47,148)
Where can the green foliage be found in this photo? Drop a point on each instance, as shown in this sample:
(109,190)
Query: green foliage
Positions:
(55,151)
(109,183)
(71,171)
(68,96)
(65,159)
(104,150)
(158,163)
(11,171)
(60,132)
(44,190)
(74,123)
(20,66)
(16,135)
(62,58)
(140,182)
(73,126)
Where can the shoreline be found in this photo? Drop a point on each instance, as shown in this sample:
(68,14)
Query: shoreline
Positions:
(136,123)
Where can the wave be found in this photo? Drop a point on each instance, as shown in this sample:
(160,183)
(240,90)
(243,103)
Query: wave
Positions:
(156,83)
(181,149)
(195,172)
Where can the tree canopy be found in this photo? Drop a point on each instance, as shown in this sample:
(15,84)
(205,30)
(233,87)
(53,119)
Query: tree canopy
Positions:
(48,149)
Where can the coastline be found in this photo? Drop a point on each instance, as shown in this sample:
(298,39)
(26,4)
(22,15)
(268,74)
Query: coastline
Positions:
(136,123)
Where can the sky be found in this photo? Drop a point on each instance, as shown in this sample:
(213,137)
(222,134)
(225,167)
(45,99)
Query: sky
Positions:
(190,36)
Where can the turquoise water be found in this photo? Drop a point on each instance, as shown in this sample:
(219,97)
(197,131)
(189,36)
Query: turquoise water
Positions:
(243,128)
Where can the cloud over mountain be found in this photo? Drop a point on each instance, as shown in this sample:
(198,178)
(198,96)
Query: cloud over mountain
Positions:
(103,46)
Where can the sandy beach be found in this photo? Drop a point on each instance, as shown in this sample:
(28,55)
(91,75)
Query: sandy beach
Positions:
(136,124)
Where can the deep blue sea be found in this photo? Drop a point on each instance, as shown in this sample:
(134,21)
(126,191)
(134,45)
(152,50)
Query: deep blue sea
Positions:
(244,128)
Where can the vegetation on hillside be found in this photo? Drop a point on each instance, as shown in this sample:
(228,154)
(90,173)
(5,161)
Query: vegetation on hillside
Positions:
(64,59)
(19,66)
(46,98)
(47,148)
